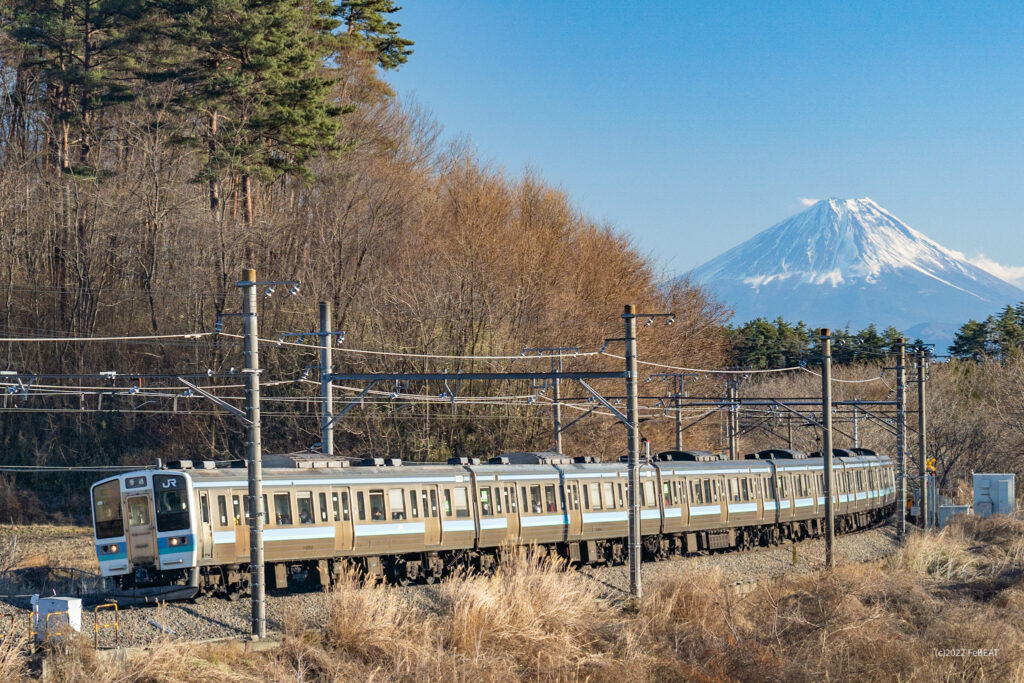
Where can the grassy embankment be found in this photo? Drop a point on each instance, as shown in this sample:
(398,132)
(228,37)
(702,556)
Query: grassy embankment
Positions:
(903,618)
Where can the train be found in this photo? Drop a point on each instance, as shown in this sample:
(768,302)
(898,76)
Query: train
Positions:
(180,529)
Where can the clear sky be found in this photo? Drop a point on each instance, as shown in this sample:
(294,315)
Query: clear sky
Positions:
(694,125)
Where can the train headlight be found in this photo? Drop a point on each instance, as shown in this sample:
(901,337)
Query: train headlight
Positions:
(112,548)
(174,541)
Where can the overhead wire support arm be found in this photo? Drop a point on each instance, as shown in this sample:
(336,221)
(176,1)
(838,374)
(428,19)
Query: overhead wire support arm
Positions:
(237,412)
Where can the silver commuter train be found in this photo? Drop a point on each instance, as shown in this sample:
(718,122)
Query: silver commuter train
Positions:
(177,531)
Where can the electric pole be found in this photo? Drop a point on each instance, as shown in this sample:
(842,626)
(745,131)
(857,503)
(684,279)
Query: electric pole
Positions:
(326,385)
(922,442)
(826,443)
(556,370)
(901,432)
(255,455)
(633,435)
(734,419)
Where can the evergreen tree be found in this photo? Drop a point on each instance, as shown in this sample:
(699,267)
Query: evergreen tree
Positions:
(368,29)
(83,55)
(972,340)
(256,77)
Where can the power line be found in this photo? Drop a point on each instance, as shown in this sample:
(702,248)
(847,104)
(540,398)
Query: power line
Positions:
(150,337)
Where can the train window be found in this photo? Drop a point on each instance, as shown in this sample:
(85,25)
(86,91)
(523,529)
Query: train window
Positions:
(783,487)
(526,500)
(266,509)
(447,503)
(323,507)
(821,482)
(304,506)
(377,504)
(138,511)
(171,502)
(595,495)
(510,500)
(413,508)
(497,499)
(485,501)
(744,490)
(647,493)
(222,510)
(622,499)
(106,507)
(707,491)
(666,493)
(236,506)
(426,505)
(696,496)
(282,509)
(609,495)
(361,502)
(550,504)
(204,506)
(433,502)
(680,492)
(535,502)
(734,489)
(397,499)
(461,501)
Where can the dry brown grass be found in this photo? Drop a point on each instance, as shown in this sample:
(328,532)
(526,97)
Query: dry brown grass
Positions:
(958,590)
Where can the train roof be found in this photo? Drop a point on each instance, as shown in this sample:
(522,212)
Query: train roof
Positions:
(316,469)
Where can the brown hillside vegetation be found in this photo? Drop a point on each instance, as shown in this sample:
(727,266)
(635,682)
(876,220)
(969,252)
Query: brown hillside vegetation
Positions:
(420,246)
(945,607)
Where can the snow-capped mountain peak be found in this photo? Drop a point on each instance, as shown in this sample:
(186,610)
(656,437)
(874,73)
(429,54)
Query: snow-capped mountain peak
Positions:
(850,261)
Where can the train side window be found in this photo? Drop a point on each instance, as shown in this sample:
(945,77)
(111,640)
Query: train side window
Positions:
(608,495)
(426,506)
(485,501)
(266,509)
(413,508)
(336,506)
(647,494)
(497,500)
(535,503)
(595,495)
(510,500)
(447,503)
(734,489)
(222,510)
(361,503)
(377,505)
(622,499)
(304,506)
(681,492)
(433,503)
(744,489)
(323,507)
(282,508)
(549,498)
(707,491)
(666,493)
(204,505)
(461,501)
(397,499)
(526,500)
(236,506)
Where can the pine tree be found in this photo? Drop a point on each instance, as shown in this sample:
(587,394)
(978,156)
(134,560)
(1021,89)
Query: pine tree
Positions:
(83,55)
(256,77)
(367,28)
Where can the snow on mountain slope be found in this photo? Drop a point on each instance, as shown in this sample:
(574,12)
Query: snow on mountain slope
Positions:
(850,262)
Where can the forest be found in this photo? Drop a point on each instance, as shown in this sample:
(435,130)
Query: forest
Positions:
(150,150)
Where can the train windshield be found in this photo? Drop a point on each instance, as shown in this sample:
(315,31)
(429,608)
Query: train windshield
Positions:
(171,502)
(106,510)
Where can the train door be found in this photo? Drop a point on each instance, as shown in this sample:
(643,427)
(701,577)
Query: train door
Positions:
(141,538)
(205,525)
(572,508)
(508,498)
(431,516)
(341,513)
(239,509)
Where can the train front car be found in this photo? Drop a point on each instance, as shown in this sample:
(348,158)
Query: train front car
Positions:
(144,528)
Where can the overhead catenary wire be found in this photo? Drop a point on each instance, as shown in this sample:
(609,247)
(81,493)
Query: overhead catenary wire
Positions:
(147,337)
(407,354)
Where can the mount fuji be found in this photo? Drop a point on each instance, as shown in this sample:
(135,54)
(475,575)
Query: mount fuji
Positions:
(849,262)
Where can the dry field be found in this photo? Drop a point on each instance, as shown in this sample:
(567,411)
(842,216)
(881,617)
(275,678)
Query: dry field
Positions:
(949,606)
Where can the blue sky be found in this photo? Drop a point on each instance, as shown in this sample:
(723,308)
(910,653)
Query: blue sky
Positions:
(692,126)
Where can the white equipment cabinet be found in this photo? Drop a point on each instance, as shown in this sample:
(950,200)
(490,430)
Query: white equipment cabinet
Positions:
(66,616)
